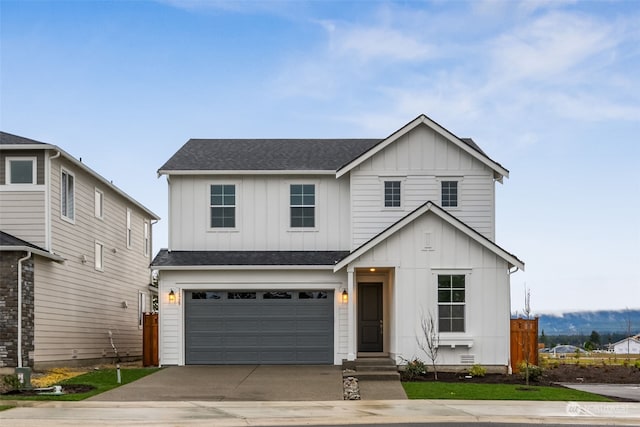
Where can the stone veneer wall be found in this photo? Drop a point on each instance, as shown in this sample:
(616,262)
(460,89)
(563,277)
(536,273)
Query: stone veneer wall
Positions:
(9,310)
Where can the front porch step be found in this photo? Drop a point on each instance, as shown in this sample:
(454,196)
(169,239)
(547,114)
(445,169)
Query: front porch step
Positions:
(374,368)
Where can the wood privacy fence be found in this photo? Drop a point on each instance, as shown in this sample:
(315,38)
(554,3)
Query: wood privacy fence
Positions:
(524,336)
(150,339)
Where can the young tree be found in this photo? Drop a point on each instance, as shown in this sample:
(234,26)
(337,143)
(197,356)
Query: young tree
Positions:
(527,313)
(429,341)
(543,339)
(595,339)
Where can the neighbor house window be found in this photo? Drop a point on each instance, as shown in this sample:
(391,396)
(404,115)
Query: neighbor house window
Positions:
(223,206)
(392,194)
(99,256)
(99,204)
(67,195)
(451,302)
(129,231)
(20,170)
(303,205)
(142,308)
(146,238)
(449,194)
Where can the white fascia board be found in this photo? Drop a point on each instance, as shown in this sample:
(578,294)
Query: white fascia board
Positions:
(240,267)
(499,171)
(441,214)
(103,180)
(246,172)
(42,146)
(45,254)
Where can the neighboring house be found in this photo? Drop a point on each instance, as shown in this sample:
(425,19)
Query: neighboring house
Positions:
(75,250)
(319,251)
(629,345)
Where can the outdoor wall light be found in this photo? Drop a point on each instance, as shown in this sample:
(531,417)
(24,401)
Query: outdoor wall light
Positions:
(345,296)
(172,297)
(372,270)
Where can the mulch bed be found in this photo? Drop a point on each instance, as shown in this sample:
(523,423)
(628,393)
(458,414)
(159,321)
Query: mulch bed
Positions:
(66,389)
(551,376)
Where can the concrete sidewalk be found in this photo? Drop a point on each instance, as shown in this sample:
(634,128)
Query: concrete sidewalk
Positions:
(625,391)
(232,383)
(316,413)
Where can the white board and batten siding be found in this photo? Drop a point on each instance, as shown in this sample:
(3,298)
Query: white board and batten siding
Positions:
(420,159)
(77,305)
(417,262)
(262,214)
(171,318)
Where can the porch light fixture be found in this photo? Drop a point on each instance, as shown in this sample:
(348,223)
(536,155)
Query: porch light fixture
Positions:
(172,297)
(372,269)
(345,296)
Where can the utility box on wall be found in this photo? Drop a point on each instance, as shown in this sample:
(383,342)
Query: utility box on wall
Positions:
(24,377)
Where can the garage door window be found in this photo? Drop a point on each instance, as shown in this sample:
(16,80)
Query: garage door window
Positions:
(206,295)
(241,295)
(312,295)
(277,295)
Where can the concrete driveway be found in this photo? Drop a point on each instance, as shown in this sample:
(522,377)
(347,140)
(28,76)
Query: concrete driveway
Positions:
(233,383)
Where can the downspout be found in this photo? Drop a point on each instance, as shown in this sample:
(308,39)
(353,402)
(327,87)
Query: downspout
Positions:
(509,367)
(20,307)
(47,202)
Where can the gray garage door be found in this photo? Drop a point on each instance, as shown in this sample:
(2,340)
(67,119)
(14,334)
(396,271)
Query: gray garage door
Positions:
(266,327)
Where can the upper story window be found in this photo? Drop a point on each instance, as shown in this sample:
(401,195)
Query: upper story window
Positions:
(449,194)
(98,256)
(99,204)
(392,194)
(20,170)
(223,206)
(129,231)
(67,195)
(303,205)
(146,238)
(451,302)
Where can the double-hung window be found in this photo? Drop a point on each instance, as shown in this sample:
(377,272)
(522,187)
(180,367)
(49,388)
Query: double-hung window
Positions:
(392,194)
(449,194)
(99,204)
(67,195)
(20,170)
(146,242)
(98,256)
(303,205)
(451,302)
(223,206)
(129,236)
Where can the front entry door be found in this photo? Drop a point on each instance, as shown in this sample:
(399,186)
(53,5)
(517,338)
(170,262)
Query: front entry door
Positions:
(370,317)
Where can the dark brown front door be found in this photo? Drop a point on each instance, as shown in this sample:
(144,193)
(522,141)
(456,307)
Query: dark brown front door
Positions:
(370,317)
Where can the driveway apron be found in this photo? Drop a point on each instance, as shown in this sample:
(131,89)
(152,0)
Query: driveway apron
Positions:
(233,383)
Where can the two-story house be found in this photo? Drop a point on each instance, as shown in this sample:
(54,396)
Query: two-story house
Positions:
(320,251)
(74,268)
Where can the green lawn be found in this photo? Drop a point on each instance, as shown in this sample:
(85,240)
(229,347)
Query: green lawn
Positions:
(443,390)
(5,407)
(103,380)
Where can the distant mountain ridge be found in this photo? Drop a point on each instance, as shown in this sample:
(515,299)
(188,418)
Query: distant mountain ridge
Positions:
(583,322)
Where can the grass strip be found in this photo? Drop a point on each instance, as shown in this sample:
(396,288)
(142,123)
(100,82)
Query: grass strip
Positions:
(5,407)
(443,390)
(103,380)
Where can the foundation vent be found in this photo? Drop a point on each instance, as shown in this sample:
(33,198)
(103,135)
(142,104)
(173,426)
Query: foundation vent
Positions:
(467,359)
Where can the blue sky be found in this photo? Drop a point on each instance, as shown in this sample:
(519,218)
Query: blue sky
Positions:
(550,89)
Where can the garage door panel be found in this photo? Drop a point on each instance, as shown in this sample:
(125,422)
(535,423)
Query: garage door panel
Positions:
(261,330)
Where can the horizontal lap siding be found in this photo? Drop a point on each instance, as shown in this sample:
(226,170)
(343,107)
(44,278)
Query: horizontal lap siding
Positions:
(76,305)
(420,159)
(22,215)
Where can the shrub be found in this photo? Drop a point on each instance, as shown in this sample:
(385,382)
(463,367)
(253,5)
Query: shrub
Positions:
(637,364)
(477,371)
(413,369)
(535,372)
(12,382)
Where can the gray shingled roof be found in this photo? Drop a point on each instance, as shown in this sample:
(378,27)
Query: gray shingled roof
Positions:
(167,258)
(267,154)
(11,139)
(7,239)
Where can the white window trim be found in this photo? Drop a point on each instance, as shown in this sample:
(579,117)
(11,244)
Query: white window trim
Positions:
(237,206)
(128,237)
(95,256)
(64,171)
(457,179)
(142,306)
(316,217)
(98,214)
(34,172)
(384,179)
(146,238)
(466,272)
